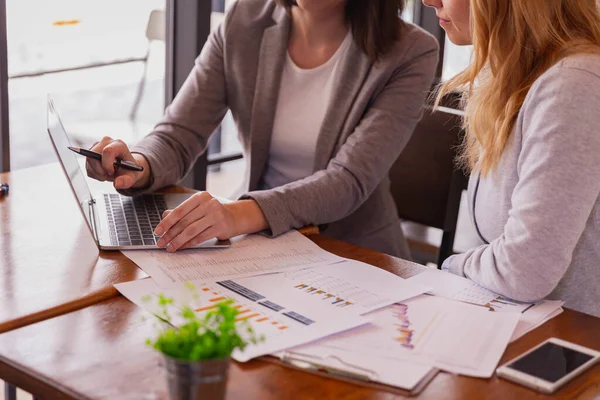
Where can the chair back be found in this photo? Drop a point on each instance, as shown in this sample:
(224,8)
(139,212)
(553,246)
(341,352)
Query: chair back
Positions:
(156,26)
(425,183)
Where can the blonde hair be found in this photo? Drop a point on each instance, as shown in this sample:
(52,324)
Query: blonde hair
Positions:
(514,42)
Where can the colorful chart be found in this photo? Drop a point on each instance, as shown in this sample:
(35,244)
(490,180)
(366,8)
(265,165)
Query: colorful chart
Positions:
(258,310)
(405,334)
(502,304)
(337,301)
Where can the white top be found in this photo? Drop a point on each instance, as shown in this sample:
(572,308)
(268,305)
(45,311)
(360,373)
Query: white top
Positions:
(304,95)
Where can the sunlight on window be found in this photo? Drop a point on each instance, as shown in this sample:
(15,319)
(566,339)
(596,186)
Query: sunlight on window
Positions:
(456,59)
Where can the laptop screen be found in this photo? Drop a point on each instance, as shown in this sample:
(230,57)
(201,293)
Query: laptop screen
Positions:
(69,162)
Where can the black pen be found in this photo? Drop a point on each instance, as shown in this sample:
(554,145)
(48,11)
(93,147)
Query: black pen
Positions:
(97,156)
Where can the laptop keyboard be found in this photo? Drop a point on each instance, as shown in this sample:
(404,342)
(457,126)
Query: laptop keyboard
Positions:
(132,219)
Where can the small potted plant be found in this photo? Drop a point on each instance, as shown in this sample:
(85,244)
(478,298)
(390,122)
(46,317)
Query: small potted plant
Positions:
(196,353)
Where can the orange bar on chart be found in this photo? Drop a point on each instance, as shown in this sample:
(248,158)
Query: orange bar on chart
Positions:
(301,286)
(205,289)
(262,319)
(247,317)
(204,308)
(283,327)
(217,299)
(244,311)
(274,323)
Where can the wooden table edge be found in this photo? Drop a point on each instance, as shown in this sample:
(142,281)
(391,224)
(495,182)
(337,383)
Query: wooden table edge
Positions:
(33,382)
(87,300)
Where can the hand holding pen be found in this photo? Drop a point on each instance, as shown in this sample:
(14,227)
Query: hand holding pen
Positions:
(117,164)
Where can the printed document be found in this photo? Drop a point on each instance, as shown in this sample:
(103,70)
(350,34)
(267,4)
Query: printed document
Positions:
(282,324)
(366,367)
(248,255)
(350,285)
(458,288)
(431,331)
(291,308)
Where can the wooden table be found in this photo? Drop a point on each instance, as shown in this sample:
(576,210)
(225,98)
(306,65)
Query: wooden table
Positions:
(49,262)
(99,353)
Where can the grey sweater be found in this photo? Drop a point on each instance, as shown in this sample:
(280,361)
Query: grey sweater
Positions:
(539,209)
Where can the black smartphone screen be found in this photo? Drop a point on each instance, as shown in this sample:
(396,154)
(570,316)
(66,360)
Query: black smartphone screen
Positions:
(551,362)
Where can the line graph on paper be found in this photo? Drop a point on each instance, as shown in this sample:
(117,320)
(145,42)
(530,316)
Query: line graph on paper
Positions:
(395,331)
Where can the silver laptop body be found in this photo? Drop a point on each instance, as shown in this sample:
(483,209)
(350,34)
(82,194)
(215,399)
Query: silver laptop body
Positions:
(116,222)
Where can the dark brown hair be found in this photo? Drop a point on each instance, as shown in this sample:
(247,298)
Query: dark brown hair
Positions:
(374,23)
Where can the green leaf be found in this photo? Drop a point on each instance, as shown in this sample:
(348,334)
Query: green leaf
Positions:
(201,337)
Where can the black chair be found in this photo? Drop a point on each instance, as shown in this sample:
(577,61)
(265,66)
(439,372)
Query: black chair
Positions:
(425,183)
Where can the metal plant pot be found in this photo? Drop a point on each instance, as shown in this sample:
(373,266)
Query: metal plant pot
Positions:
(196,380)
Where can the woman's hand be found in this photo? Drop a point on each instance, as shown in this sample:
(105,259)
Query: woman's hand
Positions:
(105,171)
(202,217)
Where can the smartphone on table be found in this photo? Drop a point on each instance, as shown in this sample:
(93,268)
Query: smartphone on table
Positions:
(549,365)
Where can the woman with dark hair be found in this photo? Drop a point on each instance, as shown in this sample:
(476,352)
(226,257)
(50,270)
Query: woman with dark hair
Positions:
(325,94)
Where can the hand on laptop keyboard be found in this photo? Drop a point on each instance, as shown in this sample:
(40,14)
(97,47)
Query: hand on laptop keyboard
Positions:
(199,218)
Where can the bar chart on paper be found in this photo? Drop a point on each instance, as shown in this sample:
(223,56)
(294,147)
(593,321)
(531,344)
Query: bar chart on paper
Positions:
(348,285)
(283,322)
(246,312)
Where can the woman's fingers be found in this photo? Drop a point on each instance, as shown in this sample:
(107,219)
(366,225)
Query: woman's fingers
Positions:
(180,212)
(195,229)
(196,214)
(208,234)
(103,170)
(114,150)
(95,171)
(196,220)
(94,167)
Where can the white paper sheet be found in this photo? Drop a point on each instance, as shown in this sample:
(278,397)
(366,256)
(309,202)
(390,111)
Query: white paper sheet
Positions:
(453,287)
(248,255)
(462,289)
(283,321)
(349,285)
(536,316)
(403,374)
(428,330)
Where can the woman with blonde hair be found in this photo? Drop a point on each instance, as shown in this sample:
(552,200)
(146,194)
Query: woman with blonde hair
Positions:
(532,145)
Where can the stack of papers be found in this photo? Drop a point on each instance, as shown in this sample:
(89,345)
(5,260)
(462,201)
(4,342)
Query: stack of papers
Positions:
(248,255)
(454,287)
(290,308)
(432,331)
(324,312)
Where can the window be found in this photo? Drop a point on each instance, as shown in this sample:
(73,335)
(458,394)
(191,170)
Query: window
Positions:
(456,59)
(94,58)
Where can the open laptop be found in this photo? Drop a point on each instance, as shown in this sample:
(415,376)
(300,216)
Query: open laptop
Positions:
(116,222)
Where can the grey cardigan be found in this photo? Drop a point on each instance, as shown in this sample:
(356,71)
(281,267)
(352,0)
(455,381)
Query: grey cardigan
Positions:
(540,208)
(373,112)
